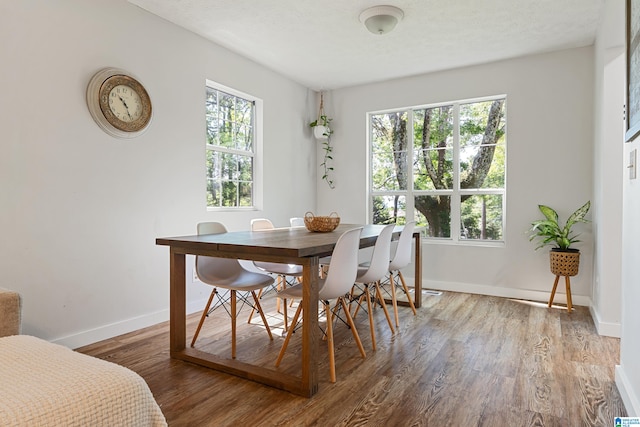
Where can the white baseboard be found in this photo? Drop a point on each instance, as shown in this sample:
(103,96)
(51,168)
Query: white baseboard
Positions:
(608,329)
(87,337)
(91,336)
(629,397)
(542,296)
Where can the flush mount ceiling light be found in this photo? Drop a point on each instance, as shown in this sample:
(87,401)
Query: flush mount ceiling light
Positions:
(381,19)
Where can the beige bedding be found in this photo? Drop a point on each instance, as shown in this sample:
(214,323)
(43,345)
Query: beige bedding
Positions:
(45,384)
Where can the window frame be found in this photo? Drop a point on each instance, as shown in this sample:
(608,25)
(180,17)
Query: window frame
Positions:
(256,154)
(455,192)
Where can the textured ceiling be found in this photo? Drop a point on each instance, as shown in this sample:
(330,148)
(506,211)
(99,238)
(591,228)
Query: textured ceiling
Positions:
(322,44)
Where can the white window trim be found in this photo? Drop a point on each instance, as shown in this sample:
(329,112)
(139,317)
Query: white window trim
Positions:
(258,181)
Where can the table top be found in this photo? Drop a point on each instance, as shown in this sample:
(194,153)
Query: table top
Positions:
(294,242)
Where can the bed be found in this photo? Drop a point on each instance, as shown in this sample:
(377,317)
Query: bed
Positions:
(46,384)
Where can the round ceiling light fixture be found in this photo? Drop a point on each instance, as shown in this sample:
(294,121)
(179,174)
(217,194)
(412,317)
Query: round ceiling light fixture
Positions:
(381,19)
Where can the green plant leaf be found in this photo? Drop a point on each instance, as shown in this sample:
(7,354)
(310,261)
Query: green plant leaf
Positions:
(549,213)
(578,215)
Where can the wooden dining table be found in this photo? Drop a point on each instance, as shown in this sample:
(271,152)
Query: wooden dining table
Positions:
(294,245)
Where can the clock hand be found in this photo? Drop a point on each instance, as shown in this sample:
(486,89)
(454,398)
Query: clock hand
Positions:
(125,106)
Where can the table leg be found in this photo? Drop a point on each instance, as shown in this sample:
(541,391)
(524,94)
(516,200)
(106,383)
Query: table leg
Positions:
(177,301)
(310,325)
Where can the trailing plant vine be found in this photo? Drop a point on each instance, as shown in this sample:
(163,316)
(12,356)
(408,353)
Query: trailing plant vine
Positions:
(324,121)
(326,146)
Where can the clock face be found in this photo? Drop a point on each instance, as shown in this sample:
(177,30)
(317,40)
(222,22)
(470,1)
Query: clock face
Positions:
(119,103)
(125,103)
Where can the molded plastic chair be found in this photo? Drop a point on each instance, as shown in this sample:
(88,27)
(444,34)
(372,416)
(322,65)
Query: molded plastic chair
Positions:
(227,273)
(339,280)
(372,273)
(280,269)
(400,260)
(296,222)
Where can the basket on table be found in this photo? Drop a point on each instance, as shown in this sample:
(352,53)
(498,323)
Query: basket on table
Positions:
(321,224)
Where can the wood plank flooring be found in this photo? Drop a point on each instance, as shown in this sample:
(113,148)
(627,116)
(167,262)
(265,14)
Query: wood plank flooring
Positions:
(464,360)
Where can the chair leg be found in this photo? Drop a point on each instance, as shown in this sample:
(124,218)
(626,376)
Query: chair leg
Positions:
(253,309)
(332,359)
(355,311)
(371,327)
(204,314)
(394,301)
(384,307)
(406,291)
(284,305)
(264,319)
(553,292)
(294,322)
(354,331)
(233,324)
(279,286)
(568,285)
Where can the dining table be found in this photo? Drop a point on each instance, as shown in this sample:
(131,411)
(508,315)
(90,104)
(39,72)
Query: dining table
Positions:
(294,245)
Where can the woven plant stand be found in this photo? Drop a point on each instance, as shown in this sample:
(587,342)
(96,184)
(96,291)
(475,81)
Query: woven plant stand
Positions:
(564,264)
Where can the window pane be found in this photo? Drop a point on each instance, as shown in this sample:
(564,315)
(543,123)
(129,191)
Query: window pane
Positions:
(225,133)
(433,148)
(229,193)
(211,110)
(245,168)
(481,217)
(389,151)
(214,193)
(482,144)
(434,213)
(389,210)
(244,110)
(213,168)
(244,137)
(246,193)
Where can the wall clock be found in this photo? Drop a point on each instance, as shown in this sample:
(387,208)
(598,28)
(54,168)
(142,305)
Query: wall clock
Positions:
(119,103)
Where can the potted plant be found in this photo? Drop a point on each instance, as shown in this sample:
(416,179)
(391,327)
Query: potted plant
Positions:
(565,260)
(321,129)
(322,132)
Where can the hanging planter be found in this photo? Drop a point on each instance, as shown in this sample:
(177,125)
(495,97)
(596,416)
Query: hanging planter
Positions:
(322,132)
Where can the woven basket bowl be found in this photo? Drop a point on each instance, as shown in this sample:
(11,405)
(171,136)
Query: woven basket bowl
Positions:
(321,224)
(565,263)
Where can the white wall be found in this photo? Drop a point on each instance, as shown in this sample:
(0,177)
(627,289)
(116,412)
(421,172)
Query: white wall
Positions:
(549,152)
(611,81)
(80,210)
(609,174)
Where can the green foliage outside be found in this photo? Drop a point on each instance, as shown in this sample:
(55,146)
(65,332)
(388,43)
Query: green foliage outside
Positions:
(229,160)
(481,167)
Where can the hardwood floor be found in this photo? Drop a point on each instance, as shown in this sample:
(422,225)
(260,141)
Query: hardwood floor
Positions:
(464,360)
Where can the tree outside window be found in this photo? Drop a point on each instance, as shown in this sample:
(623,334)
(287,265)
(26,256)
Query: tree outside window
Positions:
(442,166)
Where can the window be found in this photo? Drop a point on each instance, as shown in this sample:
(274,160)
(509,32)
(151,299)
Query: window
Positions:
(232,139)
(442,166)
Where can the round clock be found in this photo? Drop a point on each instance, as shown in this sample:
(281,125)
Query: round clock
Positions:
(118,103)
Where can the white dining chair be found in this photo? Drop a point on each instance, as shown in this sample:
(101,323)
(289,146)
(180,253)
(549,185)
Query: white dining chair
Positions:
(370,274)
(336,285)
(296,222)
(227,273)
(282,271)
(400,260)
